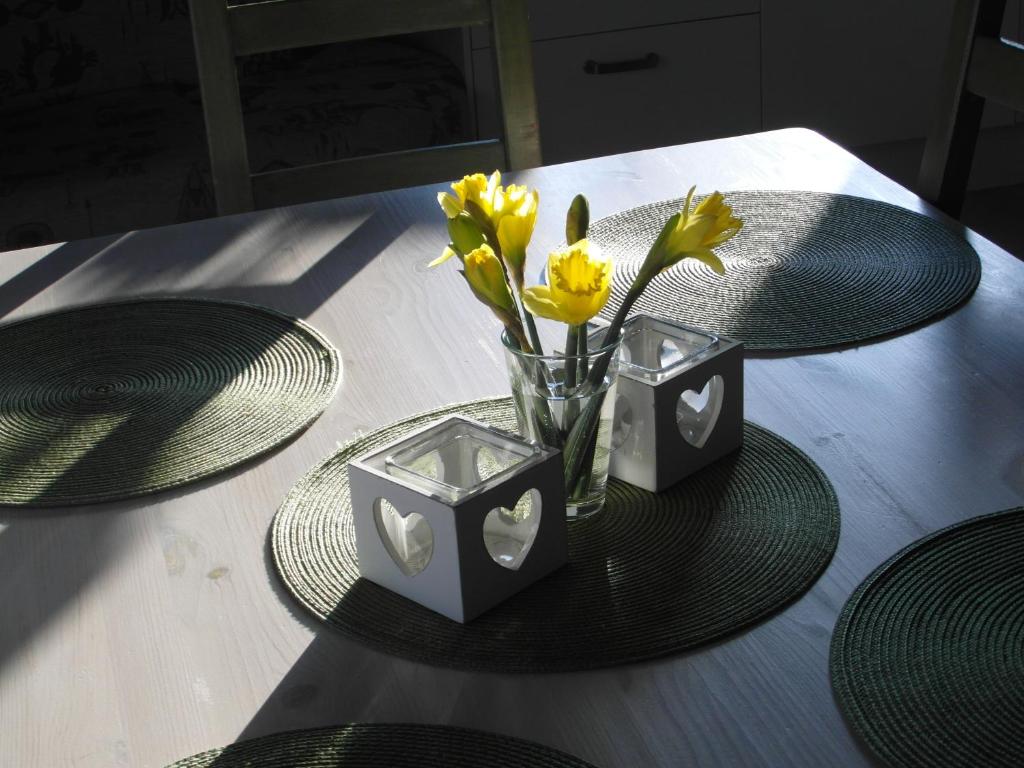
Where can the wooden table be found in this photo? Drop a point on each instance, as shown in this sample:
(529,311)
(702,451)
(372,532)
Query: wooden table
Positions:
(140,632)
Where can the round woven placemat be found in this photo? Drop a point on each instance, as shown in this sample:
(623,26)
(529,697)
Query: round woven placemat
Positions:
(928,654)
(383,745)
(807,270)
(650,575)
(118,400)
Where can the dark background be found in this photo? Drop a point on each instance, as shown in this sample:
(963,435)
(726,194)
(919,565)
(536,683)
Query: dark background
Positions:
(101,126)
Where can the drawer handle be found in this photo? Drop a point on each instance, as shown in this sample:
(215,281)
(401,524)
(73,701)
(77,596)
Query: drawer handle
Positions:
(591,67)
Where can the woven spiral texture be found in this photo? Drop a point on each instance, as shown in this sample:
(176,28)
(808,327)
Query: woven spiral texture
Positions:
(807,270)
(928,654)
(383,745)
(650,575)
(118,400)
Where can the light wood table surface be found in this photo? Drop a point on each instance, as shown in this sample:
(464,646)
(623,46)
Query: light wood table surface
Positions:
(137,633)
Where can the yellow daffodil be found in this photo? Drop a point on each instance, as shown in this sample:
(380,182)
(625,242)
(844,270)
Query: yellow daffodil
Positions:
(713,206)
(514,217)
(578,285)
(504,216)
(477,189)
(693,234)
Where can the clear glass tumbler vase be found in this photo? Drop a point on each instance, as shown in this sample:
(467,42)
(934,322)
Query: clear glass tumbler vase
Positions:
(568,402)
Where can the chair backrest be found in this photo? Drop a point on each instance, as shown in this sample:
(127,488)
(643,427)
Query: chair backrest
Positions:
(223,32)
(978,66)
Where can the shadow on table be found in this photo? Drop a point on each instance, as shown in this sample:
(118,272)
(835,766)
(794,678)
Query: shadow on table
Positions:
(53,267)
(237,258)
(50,556)
(338,679)
(782,281)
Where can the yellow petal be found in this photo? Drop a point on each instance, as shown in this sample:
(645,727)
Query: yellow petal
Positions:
(450,204)
(537,300)
(710,204)
(725,233)
(686,205)
(493,184)
(446,254)
(475,189)
(708,257)
(514,233)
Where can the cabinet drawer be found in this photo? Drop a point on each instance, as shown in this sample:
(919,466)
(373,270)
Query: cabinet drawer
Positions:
(705,84)
(550,20)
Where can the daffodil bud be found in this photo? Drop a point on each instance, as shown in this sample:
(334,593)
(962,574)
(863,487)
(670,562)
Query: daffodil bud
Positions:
(515,215)
(465,233)
(486,276)
(577,220)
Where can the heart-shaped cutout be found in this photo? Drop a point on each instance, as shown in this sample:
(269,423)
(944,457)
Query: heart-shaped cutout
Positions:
(622,423)
(509,533)
(408,538)
(697,412)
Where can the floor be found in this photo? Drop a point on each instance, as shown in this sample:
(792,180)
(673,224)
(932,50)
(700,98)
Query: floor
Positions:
(998,214)
(995,208)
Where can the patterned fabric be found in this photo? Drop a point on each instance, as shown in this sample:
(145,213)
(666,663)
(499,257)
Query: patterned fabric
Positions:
(101,123)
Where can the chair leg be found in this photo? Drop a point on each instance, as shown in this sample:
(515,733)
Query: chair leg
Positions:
(949,150)
(222,107)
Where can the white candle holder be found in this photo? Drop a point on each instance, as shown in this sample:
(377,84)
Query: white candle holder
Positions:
(458,516)
(679,405)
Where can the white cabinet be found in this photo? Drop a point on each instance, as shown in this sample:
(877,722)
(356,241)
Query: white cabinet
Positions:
(863,72)
(618,76)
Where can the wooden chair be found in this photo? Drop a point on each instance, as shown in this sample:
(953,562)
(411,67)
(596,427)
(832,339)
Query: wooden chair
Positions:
(223,32)
(978,66)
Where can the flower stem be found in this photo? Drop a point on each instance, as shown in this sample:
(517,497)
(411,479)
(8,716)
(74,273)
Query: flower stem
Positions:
(572,336)
(531,328)
(572,404)
(584,430)
(581,350)
(517,333)
(578,442)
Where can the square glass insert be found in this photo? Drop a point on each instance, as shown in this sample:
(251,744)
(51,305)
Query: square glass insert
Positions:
(452,458)
(655,349)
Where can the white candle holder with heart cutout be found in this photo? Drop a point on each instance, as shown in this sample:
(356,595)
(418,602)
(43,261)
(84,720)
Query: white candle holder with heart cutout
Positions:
(679,405)
(458,515)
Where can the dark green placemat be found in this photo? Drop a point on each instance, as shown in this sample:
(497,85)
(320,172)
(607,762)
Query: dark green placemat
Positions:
(118,400)
(383,745)
(807,270)
(648,576)
(928,654)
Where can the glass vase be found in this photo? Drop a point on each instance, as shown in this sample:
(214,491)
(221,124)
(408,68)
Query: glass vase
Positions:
(568,402)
